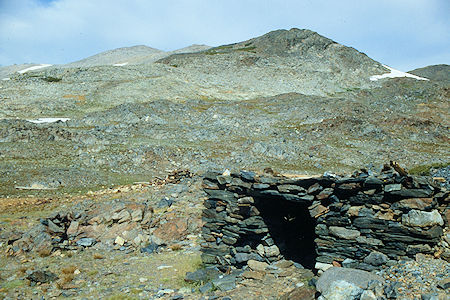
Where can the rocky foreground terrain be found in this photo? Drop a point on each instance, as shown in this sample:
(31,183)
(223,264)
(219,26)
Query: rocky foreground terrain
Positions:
(134,129)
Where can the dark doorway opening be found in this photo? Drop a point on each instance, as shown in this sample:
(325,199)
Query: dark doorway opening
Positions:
(291,228)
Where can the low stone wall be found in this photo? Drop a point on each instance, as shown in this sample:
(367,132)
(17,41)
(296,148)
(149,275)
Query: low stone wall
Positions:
(361,221)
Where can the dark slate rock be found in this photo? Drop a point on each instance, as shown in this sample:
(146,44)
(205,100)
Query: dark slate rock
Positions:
(150,248)
(229,240)
(211,175)
(261,186)
(245,249)
(370,223)
(222,179)
(391,290)
(209,203)
(349,263)
(248,175)
(373,182)
(226,283)
(255,221)
(314,189)
(202,275)
(290,188)
(54,228)
(336,221)
(307,199)
(221,195)
(376,258)
(206,288)
(345,180)
(268,180)
(239,183)
(412,193)
(210,185)
(366,212)
(242,257)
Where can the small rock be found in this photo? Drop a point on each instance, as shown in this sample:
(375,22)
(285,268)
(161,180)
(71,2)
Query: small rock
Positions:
(260,250)
(86,242)
(422,218)
(322,266)
(206,288)
(392,187)
(271,251)
(344,233)
(253,275)
(73,228)
(165,202)
(150,248)
(368,295)
(226,283)
(376,258)
(284,264)
(119,240)
(299,293)
(42,277)
(257,265)
(136,215)
(391,290)
(202,275)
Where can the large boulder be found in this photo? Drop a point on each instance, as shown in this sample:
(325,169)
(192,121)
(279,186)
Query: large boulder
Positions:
(357,277)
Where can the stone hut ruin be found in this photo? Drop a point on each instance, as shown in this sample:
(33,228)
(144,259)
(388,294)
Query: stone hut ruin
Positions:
(361,221)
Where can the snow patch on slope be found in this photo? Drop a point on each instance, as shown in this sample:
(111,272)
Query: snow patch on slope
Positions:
(34,68)
(48,120)
(395,73)
(120,64)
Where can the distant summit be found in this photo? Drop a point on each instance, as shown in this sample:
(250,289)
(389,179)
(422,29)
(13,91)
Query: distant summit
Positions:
(434,72)
(288,42)
(119,56)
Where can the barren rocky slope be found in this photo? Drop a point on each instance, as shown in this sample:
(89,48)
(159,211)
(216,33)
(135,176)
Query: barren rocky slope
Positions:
(291,100)
(435,73)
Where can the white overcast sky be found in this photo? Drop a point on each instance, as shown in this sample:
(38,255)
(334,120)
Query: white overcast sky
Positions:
(404,34)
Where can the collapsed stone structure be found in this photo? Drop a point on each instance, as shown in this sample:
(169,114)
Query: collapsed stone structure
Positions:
(362,221)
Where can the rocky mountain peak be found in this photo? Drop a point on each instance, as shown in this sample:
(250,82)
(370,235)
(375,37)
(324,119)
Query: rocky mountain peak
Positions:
(288,42)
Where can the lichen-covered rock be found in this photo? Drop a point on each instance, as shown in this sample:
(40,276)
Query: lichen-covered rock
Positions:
(422,218)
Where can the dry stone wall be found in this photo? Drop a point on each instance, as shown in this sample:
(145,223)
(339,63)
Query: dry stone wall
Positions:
(362,221)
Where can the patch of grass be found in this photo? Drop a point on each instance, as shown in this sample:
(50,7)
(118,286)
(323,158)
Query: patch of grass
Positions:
(10,285)
(44,252)
(51,79)
(424,170)
(176,247)
(121,297)
(247,49)
(92,273)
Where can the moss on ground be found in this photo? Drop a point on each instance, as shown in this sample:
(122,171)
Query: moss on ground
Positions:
(425,169)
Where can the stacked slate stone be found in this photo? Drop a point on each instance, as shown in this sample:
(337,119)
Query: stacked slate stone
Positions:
(362,221)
